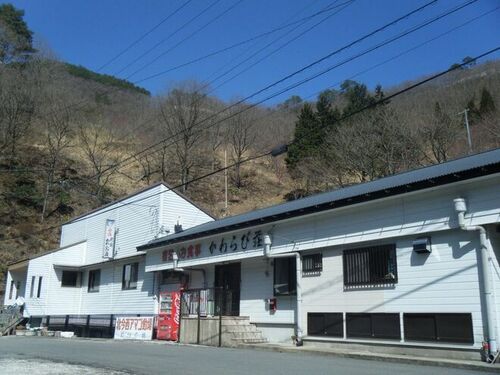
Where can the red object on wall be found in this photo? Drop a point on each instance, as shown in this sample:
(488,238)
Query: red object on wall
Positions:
(169,316)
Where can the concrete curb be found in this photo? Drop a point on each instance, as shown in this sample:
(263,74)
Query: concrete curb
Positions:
(438,362)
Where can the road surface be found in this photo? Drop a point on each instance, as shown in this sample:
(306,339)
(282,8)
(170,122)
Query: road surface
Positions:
(41,355)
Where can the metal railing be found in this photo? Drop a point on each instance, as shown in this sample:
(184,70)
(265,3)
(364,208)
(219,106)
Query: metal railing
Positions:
(10,317)
(207,303)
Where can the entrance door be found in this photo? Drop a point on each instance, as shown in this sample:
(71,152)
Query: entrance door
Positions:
(228,277)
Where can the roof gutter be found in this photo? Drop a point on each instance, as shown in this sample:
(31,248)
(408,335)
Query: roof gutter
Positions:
(330,205)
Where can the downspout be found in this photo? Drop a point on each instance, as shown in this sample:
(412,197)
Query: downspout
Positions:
(298,262)
(460,209)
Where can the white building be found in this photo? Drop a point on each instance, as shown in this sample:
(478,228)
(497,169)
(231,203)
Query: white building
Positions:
(79,279)
(410,261)
(380,262)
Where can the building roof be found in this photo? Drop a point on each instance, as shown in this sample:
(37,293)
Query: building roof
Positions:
(134,194)
(440,174)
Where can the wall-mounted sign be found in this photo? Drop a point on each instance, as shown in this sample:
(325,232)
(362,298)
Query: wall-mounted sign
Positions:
(134,328)
(109,239)
(249,240)
(246,241)
(191,251)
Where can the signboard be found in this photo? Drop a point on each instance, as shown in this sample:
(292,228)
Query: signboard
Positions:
(109,239)
(249,240)
(134,328)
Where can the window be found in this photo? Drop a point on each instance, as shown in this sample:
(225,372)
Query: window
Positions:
(312,263)
(325,324)
(94,280)
(70,279)
(439,327)
(370,266)
(39,291)
(380,325)
(285,276)
(12,284)
(18,288)
(32,286)
(130,273)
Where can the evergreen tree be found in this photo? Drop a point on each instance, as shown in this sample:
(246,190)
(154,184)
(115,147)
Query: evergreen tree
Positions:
(357,96)
(308,137)
(486,104)
(15,37)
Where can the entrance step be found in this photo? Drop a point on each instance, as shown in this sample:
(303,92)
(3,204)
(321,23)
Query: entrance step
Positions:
(238,330)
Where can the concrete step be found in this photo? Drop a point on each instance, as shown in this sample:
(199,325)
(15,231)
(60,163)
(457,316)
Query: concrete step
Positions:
(248,335)
(249,340)
(239,328)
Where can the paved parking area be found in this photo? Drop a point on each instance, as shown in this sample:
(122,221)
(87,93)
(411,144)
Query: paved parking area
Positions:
(41,355)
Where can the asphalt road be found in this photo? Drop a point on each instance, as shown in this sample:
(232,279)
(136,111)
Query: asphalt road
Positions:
(151,358)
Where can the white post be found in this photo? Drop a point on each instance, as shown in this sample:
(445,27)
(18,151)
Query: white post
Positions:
(225,179)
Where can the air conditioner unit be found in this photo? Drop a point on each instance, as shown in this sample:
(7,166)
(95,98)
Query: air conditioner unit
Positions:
(422,245)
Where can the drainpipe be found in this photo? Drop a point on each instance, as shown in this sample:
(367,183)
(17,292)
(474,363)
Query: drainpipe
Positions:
(460,209)
(298,262)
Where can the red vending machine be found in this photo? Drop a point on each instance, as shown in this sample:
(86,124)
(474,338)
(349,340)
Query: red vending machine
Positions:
(169,316)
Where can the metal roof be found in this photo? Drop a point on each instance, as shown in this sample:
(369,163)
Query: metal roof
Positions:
(440,174)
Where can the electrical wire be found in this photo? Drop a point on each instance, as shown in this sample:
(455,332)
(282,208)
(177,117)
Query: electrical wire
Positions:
(143,36)
(343,118)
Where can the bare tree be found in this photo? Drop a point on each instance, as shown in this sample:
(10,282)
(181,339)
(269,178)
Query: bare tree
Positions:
(57,138)
(97,144)
(181,110)
(17,107)
(241,137)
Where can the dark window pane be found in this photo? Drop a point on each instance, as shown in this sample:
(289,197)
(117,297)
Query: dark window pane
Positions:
(325,324)
(454,328)
(285,276)
(334,325)
(386,326)
(69,278)
(358,325)
(439,327)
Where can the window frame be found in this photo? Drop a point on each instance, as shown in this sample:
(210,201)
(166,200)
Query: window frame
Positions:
(292,276)
(130,284)
(32,286)
(324,320)
(77,283)
(316,263)
(91,286)
(364,266)
(39,290)
(437,324)
(11,291)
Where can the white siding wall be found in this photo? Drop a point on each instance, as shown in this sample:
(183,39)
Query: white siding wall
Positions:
(136,224)
(175,208)
(111,299)
(444,281)
(54,299)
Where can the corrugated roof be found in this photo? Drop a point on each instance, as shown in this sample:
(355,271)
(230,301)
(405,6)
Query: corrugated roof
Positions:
(439,174)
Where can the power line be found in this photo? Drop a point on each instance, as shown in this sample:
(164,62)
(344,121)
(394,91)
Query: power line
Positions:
(273,152)
(419,9)
(341,6)
(194,18)
(143,36)
(201,28)
(350,77)
(294,85)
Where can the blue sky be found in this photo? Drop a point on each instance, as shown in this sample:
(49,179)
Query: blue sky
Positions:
(91,32)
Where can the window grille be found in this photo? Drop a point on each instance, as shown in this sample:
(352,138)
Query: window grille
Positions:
(312,263)
(374,265)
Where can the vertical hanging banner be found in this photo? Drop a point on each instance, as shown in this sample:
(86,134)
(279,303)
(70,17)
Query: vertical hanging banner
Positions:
(109,239)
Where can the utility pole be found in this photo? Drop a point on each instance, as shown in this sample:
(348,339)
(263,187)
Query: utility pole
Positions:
(467,127)
(225,179)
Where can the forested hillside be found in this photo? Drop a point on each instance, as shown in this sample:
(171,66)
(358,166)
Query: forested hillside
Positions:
(72,139)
